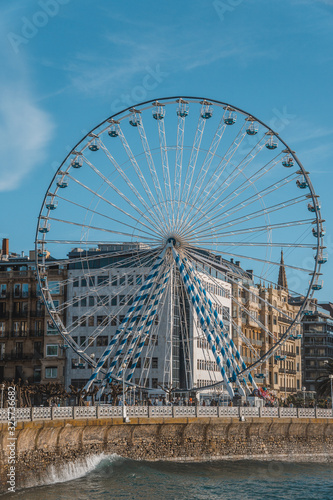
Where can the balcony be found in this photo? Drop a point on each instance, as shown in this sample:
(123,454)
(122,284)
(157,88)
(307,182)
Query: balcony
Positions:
(288,372)
(37,314)
(19,334)
(15,356)
(288,353)
(287,389)
(20,314)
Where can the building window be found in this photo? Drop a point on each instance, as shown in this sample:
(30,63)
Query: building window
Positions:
(38,328)
(114,301)
(17,290)
(102,280)
(114,321)
(51,372)
(25,290)
(154,383)
(75,321)
(154,363)
(103,300)
(84,302)
(19,349)
(91,301)
(52,350)
(37,374)
(122,280)
(138,279)
(82,340)
(3,290)
(76,283)
(2,328)
(130,279)
(102,320)
(102,340)
(114,280)
(83,282)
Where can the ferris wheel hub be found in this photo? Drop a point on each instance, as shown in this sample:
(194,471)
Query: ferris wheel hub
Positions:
(174,240)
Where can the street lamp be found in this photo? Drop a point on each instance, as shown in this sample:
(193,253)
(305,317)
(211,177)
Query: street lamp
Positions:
(2,389)
(123,366)
(331,379)
(304,389)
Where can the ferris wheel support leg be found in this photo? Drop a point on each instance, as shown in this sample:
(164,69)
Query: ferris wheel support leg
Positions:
(220,340)
(235,353)
(149,323)
(205,321)
(143,320)
(137,303)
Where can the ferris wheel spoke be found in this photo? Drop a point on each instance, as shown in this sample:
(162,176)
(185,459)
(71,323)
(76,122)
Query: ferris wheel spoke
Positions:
(258,196)
(116,207)
(165,163)
(262,228)
(153,173)
(264,261)
(238,169)
(186,191)
(179,160)
(142,179)
(88,226)
(218,209)
(151,234)
(213,181)
(128,181)
(256,214)
(196,189)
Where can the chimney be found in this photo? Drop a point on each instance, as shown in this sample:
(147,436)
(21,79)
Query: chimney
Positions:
(5,246)
(237,263)
(250,273)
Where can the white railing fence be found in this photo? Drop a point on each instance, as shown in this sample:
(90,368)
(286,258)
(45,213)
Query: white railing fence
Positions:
(105,411)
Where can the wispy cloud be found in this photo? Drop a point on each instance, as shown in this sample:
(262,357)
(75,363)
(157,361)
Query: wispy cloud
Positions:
(25,129)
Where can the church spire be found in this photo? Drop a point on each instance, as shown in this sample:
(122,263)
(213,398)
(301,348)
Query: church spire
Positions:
(282,280)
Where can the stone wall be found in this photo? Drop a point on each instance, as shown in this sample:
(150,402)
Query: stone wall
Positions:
(40,443)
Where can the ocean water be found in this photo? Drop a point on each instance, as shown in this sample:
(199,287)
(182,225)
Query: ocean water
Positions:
(111,477)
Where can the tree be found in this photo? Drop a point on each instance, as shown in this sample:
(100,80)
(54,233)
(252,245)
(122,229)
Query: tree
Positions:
(323,382)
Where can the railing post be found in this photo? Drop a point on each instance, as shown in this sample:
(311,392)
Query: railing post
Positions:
(99,410)
(197,407)
(150,411)
(31,414)
(279,412)
(52,412)
(173,411)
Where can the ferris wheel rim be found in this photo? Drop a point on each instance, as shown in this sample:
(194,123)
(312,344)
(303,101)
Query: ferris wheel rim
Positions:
(150,104)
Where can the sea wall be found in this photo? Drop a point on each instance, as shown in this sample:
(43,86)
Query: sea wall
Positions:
(41,443)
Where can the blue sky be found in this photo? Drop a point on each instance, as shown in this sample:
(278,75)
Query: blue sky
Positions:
(68,64)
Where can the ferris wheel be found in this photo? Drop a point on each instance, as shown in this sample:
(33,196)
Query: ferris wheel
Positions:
(166,215)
